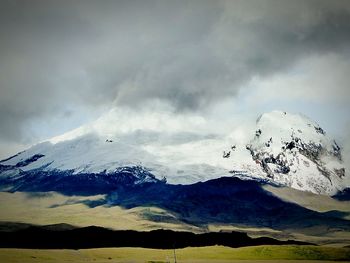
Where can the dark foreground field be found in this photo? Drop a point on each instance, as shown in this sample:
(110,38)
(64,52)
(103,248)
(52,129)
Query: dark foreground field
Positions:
(65,243)
(63,236)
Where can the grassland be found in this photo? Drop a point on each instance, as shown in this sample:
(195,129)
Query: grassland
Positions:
(319,203)
(54,208)
(214,254)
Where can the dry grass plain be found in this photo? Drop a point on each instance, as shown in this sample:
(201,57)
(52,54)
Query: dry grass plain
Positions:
(319,203)
(54,208)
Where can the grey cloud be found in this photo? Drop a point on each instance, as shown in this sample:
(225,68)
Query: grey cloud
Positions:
(57,54)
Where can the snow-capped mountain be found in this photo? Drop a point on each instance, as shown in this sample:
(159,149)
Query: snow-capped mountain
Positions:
(286,149)
(292,150)
(97,154)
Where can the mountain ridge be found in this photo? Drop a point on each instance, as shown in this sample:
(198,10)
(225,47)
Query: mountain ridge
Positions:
(285,149)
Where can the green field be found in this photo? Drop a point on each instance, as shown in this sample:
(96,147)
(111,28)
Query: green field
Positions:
(203,254)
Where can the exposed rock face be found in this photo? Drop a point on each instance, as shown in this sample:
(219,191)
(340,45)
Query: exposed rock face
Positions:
(295,151)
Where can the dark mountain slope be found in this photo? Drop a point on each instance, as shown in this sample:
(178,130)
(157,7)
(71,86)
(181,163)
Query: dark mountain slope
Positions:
(224,200)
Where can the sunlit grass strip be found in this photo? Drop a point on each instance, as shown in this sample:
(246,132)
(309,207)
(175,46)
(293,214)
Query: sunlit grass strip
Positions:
(207,254)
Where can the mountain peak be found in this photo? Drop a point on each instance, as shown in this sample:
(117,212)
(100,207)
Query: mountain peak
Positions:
(295,151)
(284,148)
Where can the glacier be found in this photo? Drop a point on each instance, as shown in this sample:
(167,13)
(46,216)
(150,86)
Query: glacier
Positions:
(283,148)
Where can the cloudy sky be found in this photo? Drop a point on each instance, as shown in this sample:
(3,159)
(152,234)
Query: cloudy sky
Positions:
(64,64)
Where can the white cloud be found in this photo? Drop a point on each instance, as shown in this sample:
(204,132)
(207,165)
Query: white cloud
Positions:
(212,64)
(322,79)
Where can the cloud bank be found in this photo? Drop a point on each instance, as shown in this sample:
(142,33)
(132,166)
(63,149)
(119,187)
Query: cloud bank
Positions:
(63,62)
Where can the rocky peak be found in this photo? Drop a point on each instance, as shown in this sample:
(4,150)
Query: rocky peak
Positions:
(293,150)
